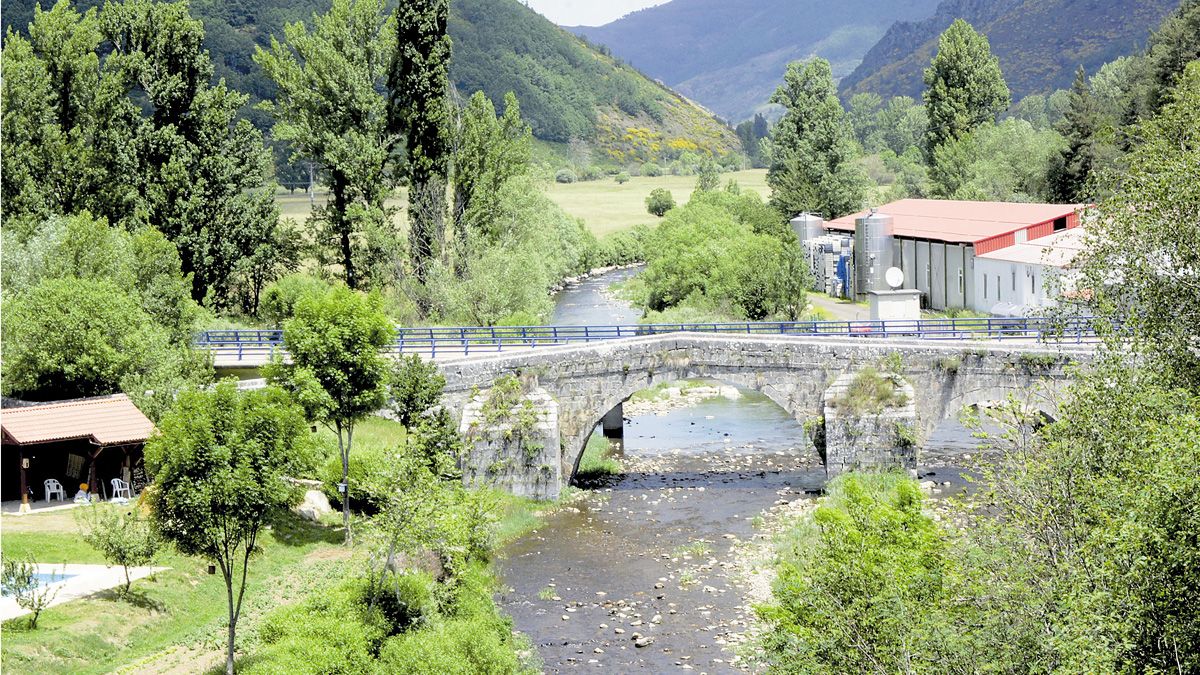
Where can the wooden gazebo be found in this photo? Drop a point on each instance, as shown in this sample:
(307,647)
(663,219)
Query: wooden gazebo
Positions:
(87,440)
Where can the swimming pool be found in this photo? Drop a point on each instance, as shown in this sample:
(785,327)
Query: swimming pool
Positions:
(47,578)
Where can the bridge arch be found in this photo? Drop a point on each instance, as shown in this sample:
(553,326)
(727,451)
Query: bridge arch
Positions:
(573,449)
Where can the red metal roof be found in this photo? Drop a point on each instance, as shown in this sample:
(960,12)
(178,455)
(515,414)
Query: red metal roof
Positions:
(103,420)
(959,222)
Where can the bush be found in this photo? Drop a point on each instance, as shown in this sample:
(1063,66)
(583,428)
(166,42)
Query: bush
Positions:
(622,178)
(651,169)
(867,557)
(18,582)
(368,471)
(474,646)
(565,176)
(279,299)
(124,538)
(659,202)
(333,631)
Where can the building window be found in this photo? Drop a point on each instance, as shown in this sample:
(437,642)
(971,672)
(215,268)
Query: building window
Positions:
(985,294)
(1013,271)
(1033,284)
(998,294)
(1060,224)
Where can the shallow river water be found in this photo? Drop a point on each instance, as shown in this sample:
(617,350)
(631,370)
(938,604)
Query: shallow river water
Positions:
(647,558)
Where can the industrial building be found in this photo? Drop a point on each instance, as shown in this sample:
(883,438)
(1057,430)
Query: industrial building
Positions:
(1022,278)
(934,242)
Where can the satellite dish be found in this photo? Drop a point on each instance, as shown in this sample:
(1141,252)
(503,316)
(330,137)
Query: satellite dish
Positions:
(894,277)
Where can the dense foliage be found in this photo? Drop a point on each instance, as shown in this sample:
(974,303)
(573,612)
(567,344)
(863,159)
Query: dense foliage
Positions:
(725,254)
(140,137)
(964,87)
(218,463)
(813,158)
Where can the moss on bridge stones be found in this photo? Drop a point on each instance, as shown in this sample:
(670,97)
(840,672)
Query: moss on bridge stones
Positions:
(870,423)
(512,439)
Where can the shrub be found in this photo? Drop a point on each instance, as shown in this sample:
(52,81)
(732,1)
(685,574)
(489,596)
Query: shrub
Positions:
(124,538)
(18,581)
(659,202)
(622,178)
(368,472)
(651,169)
(278,300)
(474,646)
(565,176)
(870,392)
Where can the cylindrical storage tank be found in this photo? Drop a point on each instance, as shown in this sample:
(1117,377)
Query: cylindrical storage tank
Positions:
(808,227)
(873,245)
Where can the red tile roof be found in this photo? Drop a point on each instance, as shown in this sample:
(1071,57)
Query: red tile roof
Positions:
(959,222)
(104,420)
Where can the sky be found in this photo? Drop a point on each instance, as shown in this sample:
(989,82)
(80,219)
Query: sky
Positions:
(588,12)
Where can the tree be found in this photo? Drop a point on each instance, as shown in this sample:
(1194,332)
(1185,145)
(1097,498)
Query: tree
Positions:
(19,581)
(814,163)
(1136,266)
(1009,161)
(863,118)
(331,108)
(489,151)
(415,387)
(709,178)
(139,137)
(74,337)
(1077,162)
(659,202)
(963,86)
(418,87)
(124,539)
(337,371)
(218,463)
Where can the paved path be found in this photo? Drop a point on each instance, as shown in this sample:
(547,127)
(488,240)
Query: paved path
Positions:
(838,309)
(78,581)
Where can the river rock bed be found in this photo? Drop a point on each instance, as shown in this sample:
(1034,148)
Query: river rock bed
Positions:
(641,575)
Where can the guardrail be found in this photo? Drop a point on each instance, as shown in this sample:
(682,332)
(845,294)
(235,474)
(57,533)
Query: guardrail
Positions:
(466,340)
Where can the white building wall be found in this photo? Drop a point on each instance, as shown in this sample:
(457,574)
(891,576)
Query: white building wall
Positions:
(1011,283)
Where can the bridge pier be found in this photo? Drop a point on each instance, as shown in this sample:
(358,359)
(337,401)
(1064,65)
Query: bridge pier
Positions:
(612,425)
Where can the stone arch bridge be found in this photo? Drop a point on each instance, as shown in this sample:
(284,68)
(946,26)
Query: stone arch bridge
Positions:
(568,390)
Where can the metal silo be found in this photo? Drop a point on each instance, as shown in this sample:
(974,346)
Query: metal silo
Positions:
(873,243)
(808,227)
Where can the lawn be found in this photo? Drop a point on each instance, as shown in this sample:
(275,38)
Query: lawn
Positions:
(604,205)
(174,622)
(183,607)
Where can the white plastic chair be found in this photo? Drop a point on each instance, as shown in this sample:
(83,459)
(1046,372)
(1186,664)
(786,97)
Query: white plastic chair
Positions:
(53,487)
(120,489)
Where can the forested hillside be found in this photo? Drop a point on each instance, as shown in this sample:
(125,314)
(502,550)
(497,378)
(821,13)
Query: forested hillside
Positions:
(1040,43)
(567,89)
(730,55)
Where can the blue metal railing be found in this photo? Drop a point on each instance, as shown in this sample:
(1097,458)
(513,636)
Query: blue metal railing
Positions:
(466,340)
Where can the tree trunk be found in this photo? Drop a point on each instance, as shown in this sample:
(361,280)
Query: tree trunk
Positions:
(344,449)
(232,622)
(343,227)
(460,231)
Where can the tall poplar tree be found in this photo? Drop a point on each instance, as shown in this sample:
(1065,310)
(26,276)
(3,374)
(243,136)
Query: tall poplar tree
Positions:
(419,88)
(329,106)
(814,163)
(964,86)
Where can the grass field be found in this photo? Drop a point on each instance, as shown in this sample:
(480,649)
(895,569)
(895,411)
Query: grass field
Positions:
(604,206)
(607,207)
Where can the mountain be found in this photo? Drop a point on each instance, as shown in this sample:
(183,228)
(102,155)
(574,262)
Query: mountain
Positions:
(730,55)
(1040,43)
(568,89)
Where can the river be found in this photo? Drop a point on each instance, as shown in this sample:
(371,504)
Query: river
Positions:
(649,555)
